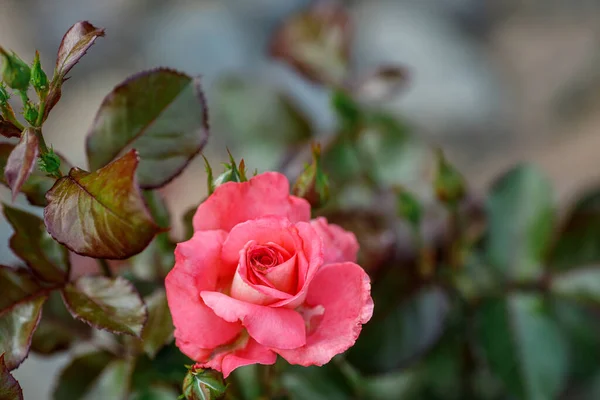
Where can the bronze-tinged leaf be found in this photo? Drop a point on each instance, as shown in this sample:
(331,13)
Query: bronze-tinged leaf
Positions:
(38,184)
(382,84)
(104,303)
(9,387)
(316,42)
(162,114)
(16,285)
(159,328)
(21,161)
(76,42)
(17,325)
(7,129)
(31,242)
(100,214)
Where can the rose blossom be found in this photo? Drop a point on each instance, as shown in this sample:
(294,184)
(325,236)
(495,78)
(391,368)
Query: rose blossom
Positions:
(259,278)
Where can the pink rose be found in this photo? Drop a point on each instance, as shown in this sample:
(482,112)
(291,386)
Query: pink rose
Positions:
(258,278)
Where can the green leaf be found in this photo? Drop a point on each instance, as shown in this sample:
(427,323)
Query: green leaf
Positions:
(113,383)
(161,113)
(578,242)
(396,336)
(31,242)
(156,260)
(159,327)
(204,384)
(77,378)
(316,42)
(105,303)
(523,346)
(16,285)
(157,207)
(57,329)
(18,323)
(9,387)
(100,214)
(316,383)
(521,218)
(21,161)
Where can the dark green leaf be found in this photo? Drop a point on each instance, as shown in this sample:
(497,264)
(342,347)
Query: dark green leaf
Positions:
(394,337)
(31,242)
(57,329)
(161,113)
(16,285)
(78,377)
(316,42)
(21,161)
(156,260)
(100,214)
(187,222)
(521,218)
(578,242)
(7,129)
(18,324)
(105,303)
(158,208)
(316,383)
(159,328)
(9,387)
(202,384)
(523,346)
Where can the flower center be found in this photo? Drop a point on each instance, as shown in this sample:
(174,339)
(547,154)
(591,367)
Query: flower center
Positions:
(264,257)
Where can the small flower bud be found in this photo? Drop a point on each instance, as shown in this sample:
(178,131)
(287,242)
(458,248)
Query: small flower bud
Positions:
(313,184)
(232,173)
(39,80)
(30,113)
(49,163)
(15,72)
(201,384)
(449,184)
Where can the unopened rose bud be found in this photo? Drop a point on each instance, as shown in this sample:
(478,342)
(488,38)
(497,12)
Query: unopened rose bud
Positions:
(233,173)
(39,80)
(50,163)
(15,72)
(313,184)
(449,184)
(30,113)
(203,384)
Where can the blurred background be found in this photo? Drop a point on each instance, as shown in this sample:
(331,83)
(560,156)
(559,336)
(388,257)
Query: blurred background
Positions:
(491,82)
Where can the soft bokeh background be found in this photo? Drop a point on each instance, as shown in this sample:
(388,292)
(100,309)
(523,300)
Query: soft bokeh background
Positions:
(492,82)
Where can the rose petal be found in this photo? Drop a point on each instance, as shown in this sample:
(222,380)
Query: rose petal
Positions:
(339,244)
(196,269)
(309,261)
(252,353)
(272,327)
(284,276)
(264,194)
(343,290)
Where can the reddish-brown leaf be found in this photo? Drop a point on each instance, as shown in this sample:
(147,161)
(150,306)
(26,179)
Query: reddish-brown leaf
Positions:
(7,129)
(76,42)
(9,387)
(100,214)
(21,161)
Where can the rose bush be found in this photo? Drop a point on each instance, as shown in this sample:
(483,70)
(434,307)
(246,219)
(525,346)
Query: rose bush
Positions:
(259,278)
